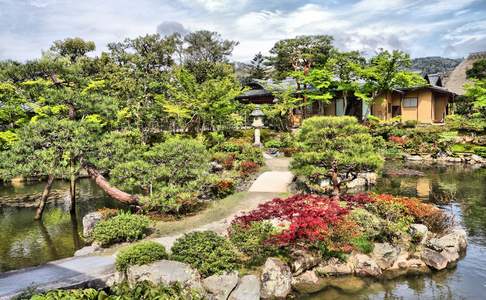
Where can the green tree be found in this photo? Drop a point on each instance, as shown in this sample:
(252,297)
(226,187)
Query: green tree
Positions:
(476,93)
(194,106)
(73,48)
(478,70)
(387,71)
(257,67)
(206,53)
(346,66)
(300,53)
(334,149)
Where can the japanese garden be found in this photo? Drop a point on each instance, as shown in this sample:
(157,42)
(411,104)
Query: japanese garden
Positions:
(160,168)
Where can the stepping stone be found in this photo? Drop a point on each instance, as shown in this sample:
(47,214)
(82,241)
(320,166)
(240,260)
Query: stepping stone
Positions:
(272,182)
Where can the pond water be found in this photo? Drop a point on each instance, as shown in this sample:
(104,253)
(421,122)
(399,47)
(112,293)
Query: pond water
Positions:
(25,242)
(468,279)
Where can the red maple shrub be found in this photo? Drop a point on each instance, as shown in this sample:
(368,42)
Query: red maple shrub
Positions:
(397,140)
(248,167)
(357,200)
(310,218)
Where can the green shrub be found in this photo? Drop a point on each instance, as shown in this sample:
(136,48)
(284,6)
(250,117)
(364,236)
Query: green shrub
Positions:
(362,244)
(373,119)
(252,240)
(230,147)
(206,251)
(81,294)
(251,153)
(174,199)
(273,144)
(410,124)
(475,124)
(395,218)
(480,150)
(462,148)
(370,224)
(141,290)
(124,227)
(140,254)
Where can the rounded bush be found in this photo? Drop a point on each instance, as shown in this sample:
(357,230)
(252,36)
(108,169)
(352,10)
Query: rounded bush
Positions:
(124,227)
(253,240)
(140,254)
(207,252)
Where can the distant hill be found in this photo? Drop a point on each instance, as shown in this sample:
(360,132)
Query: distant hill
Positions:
(434,64)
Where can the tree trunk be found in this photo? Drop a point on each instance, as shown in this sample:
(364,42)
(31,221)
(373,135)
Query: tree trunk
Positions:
(72,194)
(112,191)
(345,100)
(336,186)
(44,197)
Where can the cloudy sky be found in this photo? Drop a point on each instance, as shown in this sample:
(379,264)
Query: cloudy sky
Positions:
(450,28)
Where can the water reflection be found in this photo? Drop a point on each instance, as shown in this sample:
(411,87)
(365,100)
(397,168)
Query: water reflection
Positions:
(466,188)
(25,242)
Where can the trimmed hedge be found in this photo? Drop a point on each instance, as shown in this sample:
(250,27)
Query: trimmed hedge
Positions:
(140,254)
(124,227)
(207,252)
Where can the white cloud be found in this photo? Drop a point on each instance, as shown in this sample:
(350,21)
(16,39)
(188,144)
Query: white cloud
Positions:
(216,5)
(422,27)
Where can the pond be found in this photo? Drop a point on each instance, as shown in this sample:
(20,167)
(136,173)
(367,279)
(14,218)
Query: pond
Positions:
(25,242)
(468,279)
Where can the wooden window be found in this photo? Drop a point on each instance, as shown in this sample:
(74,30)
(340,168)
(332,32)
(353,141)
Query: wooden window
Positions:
(410,102)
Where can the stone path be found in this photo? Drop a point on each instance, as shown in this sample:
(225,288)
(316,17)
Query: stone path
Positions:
(95,270)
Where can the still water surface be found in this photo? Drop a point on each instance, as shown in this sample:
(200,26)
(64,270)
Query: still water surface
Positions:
(24,242)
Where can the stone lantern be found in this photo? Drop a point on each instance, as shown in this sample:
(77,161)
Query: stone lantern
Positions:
(257,115)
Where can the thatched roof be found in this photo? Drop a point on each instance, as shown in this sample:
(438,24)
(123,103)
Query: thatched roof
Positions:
(457,78)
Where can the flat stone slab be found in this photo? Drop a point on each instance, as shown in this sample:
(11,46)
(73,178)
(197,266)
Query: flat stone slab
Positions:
(66,273)
(272,182)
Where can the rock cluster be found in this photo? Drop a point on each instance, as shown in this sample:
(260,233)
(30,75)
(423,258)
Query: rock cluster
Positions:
(216,287)
(465,158)
(385,261)
(365,179)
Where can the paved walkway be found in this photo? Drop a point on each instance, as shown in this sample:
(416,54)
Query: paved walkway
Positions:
(96,269)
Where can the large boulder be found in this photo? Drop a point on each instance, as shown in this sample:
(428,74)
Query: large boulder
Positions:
(335,267)
(365,265)
(405,264)
(455,241)
(434,259)
(308,283)
(450,246)
(418,232)
(88,250)
(385,255)
(370,177)
(247,289)
(303,260)
(165,272)
(90,221)
(219,287)
(276,279)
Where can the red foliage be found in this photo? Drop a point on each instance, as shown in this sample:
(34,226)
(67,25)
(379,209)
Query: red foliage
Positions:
(397,139)
(248,168)
(229,161)
(311,218)
(414,206)
(357,200)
